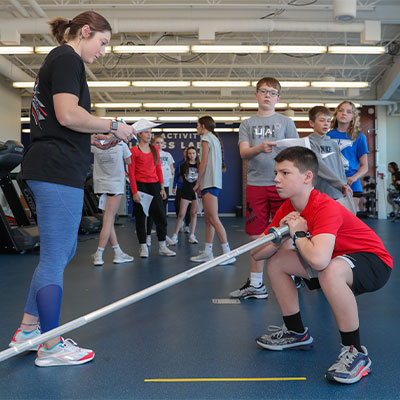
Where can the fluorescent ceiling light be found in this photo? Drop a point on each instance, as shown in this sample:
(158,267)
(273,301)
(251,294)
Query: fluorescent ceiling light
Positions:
(48,49)
(23,85)
(156,129)
(244,118)
(343,85)
(223,129)
(299,118)
(118,105)
(255,105)
(26,131)
(179,130)
(161,83)
(178,118)
(235,129)
(356,49)
(229,49)
(288,84)
(166,105)
(334,105)
(16,49)
(25,119)
(305,130)
(226,118)
(220,83)
(109,84)
(304,105)
(215,105)
(151,49)
(297,49)
(134,118)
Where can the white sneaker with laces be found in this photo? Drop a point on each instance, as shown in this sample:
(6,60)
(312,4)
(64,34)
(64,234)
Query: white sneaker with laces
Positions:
(186,229)
(122,258)
(165,251)
(97,259)
(148,241)
(205,255)
(193,239)
(171,241)
(144,251)
(21,337)
(66,352)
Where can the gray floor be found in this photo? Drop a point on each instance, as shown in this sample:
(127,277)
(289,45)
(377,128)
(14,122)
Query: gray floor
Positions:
(181,333)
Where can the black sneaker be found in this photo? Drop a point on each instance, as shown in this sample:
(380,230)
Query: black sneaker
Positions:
(247,291)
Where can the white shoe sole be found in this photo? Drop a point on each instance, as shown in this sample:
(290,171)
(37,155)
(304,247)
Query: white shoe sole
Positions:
(50,362)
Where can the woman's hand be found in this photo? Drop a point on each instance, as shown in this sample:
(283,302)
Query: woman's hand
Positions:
(136,198)
(163,194)
(351,180)
(95,141)
(125,132)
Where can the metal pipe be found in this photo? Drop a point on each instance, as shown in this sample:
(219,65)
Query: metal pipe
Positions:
(275,235)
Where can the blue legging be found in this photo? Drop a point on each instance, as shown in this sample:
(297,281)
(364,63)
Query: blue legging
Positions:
(59,212)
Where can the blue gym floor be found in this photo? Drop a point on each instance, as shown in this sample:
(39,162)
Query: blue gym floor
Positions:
(181,334)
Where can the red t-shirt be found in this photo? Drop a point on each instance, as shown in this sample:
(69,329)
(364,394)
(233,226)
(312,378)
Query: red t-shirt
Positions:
(143,169)
(325,215)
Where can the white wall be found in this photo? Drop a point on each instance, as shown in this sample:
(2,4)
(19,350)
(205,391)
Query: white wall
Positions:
(393,139)
(10,111)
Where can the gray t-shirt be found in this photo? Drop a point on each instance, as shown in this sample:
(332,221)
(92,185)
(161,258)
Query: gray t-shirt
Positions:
(255,130)
(109,169)
(212,176)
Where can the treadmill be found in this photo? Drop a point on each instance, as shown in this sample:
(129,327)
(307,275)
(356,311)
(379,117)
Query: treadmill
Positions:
(22,235)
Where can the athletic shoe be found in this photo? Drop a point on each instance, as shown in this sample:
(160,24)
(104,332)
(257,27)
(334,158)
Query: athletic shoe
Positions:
(165,251)
(171,241)
(283,339)
(148,241)
(182,228)
(230,261)
(97,259)
(350,366)
(66,352)
(247,291)
(193,239)
(186,229)
(21,337)
(122,258)
(144,251)
(203,256)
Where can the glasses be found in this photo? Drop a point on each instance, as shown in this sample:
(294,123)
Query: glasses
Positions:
(272,93)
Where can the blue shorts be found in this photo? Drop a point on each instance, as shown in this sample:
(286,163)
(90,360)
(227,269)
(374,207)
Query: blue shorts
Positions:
(213,190)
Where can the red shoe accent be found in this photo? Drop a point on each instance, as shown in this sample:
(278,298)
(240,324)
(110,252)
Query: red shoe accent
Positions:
(15,334)
(88,357)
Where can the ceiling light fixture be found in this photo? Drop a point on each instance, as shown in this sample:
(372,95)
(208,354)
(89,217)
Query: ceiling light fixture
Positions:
(298,49)
(229,49)
(343,85)
(255,105)
(166,105)
(160,84)
(134,118)
(16,50)
(102,84)
(118,105)
(215,105)
(220,83)
(151,49)
(304,105)
(356,49)
(23,85)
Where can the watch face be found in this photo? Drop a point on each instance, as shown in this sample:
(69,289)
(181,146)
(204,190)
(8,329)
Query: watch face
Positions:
(114,125)
(300,234)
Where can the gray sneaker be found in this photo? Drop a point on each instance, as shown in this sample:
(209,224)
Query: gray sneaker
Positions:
(247,291)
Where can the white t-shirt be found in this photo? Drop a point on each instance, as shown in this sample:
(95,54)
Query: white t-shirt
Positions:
(109,169)
(166,160)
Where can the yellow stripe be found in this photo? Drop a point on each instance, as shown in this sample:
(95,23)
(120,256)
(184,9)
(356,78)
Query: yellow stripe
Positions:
(225,379)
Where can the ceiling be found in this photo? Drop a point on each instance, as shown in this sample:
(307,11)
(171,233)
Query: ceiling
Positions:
(220,22)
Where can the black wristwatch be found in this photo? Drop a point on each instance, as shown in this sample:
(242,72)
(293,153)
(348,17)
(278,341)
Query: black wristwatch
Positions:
(113,126)
(298,234)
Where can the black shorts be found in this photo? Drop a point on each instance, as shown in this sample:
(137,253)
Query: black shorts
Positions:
(187,191)
(370,273)
(358,194)
(108,194)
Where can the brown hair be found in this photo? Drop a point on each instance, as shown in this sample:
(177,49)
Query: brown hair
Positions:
(186,162)
(269,81)
(64,30)
(153,150)
(354,127)
(209,124)
(313,113)
(302,158)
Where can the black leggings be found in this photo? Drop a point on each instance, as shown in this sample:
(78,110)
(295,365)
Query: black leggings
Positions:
(149,221)
(156,211)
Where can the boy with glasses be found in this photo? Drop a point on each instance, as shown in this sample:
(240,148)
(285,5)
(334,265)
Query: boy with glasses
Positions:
(256,138)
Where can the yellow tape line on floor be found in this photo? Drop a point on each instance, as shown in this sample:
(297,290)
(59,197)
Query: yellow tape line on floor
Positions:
(224,379)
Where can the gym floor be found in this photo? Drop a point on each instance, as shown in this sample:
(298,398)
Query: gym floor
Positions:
(181,334)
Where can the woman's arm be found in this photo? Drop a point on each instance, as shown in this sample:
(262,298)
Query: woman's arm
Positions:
(361,171)
(203,163)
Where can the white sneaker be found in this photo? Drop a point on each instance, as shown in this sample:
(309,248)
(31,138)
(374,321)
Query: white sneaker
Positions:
(122,258)
(182,228)
(203,256)
(165,251)
(22,337)
(97,259)
(186,229)
(172,241)
(66,352)
(193,239)
(144,251)
(148,241)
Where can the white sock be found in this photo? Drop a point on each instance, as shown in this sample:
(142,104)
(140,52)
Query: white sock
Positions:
(100,250)
(162,244)
(256,279)
(208,247)
(225,247)
(117,249)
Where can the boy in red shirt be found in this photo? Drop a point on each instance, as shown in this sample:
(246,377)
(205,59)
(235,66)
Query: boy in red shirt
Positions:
(331,249)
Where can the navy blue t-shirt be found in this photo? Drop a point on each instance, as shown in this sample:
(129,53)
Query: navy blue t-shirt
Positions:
(58,154)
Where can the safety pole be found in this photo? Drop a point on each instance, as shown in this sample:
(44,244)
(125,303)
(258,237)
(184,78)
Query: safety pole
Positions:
(275,235)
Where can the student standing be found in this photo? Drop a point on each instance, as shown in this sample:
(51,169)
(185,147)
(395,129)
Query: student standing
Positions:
(109,181)
(55,166)
(209,185)
(256,138)
(145,175)
(331,249)
(345,129)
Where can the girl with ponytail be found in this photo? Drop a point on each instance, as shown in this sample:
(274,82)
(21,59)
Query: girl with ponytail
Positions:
(209,185)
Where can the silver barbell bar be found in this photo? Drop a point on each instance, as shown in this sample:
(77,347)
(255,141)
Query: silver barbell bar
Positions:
(275,235)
